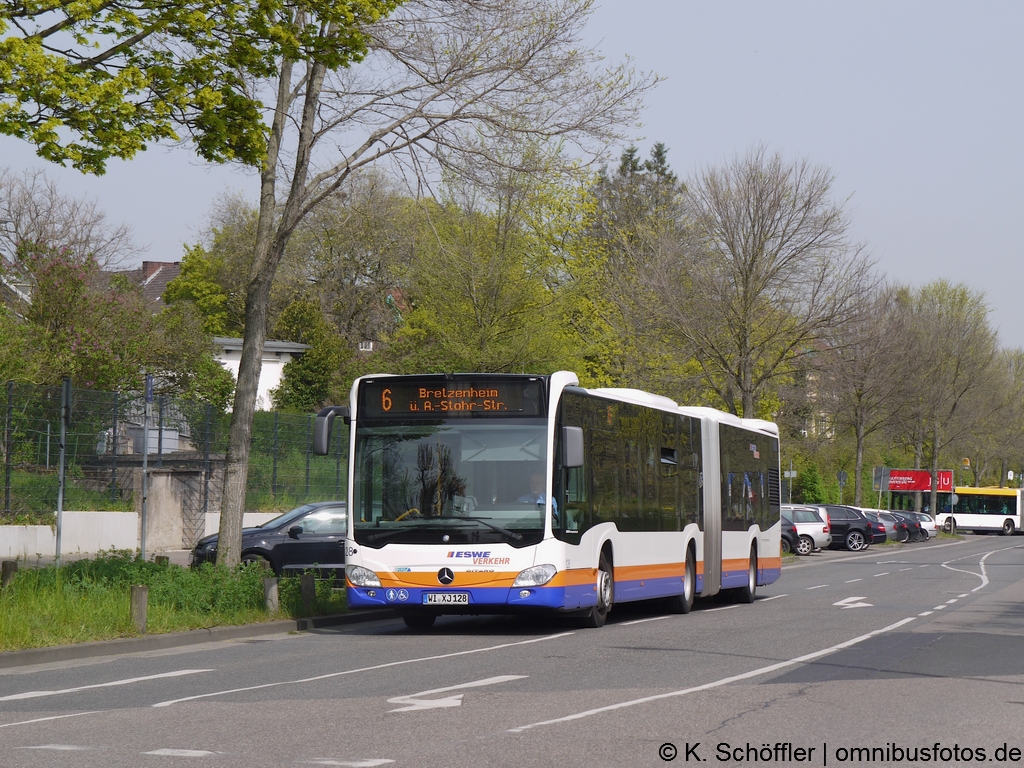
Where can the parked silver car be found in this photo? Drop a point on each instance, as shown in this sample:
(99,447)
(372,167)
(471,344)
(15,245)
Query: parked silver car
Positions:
(811,526)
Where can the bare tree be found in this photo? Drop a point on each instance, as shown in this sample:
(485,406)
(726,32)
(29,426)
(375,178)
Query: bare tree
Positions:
(442,79)
(33,211)
(958,350)
(765,272)
(865,371)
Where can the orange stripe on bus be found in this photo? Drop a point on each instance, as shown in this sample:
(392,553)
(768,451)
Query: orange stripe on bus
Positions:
(462,579)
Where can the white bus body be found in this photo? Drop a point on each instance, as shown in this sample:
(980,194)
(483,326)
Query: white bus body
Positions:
(484,493)
(984,509)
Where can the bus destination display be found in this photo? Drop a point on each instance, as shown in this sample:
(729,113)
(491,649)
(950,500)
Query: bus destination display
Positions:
(446,398)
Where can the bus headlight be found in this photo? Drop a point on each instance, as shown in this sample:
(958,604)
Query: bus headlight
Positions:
(361,577)
(535,576)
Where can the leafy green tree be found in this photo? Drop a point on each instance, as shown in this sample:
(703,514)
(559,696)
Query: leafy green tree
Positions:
(87,82)
(808,487)
(309,380)
(100,331)
(197,283)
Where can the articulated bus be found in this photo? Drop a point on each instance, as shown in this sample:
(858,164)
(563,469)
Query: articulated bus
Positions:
(983,509)
(489,493)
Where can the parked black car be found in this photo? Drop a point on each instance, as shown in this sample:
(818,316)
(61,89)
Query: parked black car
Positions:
(790,538)
(914,530)
(310,536)
(850,528)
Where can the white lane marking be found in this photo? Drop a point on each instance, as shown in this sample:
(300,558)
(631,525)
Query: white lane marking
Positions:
(950,602)
(926,613)
(59,747)
(181,753)
(641,621)
(723,608)
(773,597)
(413,701)
(924,566)
(129,681)
(984,574)
(820,586)
(905,569)
(962,595)
(367,669)
(851,602)
(371,763)
(55,717)
(853,580)
(718,683)
(939,608)
(881,574)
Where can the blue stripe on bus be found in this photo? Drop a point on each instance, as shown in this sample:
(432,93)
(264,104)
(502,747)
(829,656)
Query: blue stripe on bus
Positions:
(565,598)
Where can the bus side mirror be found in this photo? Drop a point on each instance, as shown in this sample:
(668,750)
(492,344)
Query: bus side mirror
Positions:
(572,447)
(322,427)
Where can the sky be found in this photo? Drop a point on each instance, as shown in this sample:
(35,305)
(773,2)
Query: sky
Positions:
(917,107)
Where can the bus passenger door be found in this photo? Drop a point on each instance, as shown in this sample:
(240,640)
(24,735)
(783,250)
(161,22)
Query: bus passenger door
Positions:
(711,474)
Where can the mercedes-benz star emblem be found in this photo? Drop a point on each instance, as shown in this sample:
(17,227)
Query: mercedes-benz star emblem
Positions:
(445,576)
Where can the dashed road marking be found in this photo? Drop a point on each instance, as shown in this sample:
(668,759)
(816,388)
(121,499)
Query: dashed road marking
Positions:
(773,597)
(641,621)
(182,753)
(59,747)
(820,586)
(128,681)
(851,581)
(54,717)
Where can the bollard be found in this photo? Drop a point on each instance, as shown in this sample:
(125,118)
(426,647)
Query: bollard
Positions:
(140,597)
(9,568)
(307,585)
(270,599)
(162,560)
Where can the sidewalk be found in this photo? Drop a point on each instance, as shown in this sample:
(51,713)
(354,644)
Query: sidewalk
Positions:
(177,639)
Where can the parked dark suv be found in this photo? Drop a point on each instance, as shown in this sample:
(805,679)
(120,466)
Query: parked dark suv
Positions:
(850,528)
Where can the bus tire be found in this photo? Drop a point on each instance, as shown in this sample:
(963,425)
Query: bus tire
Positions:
(418,621)
(949,526)
(747,593)
(684,603)
(597,615)
(1008,528)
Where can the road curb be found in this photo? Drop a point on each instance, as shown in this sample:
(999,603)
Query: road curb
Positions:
(176,639)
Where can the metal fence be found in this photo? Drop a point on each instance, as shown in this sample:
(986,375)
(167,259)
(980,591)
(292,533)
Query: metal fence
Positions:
(103,457)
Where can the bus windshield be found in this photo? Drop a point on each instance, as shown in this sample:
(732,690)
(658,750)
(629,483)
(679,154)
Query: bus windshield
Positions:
(455,482)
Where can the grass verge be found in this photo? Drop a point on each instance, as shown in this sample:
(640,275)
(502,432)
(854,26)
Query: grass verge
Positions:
(89,600)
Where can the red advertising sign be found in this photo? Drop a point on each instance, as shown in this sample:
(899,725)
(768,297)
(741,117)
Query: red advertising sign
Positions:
(919,480)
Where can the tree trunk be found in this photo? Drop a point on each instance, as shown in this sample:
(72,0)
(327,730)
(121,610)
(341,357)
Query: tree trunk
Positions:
(858,467)
(257,299)
(934,497)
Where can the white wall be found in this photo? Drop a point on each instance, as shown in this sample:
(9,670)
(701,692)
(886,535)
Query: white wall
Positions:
(82,533)
(86,533)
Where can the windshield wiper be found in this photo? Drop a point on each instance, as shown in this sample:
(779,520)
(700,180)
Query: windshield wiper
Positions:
(492,526)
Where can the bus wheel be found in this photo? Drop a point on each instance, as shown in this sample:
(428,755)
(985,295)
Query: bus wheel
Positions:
(948,525)
(1008,528)
(746,594)
(418,621)
(684,602)
(605,595)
